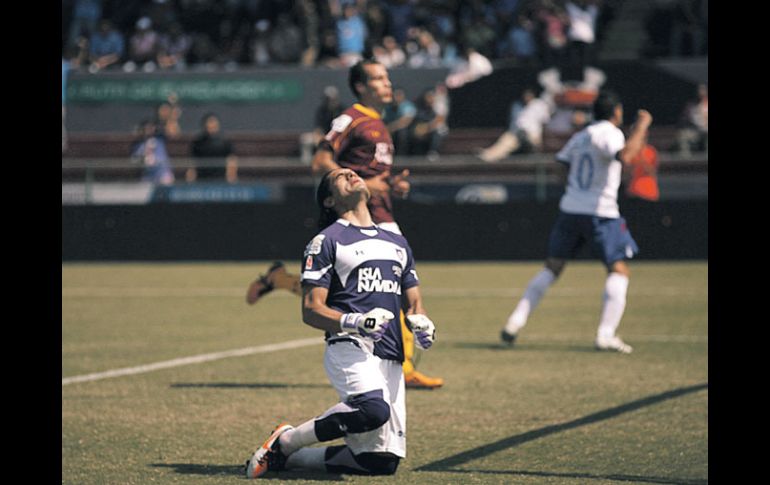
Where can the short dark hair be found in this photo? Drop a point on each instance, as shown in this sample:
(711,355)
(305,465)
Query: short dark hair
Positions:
(358,74)
(604,105)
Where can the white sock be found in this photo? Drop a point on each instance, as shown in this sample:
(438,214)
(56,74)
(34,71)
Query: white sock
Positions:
(307,459)
(294,439)
(535,290)
(615,290)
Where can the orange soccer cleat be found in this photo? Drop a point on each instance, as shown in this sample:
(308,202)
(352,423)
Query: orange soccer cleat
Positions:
(268,456)
(418,380)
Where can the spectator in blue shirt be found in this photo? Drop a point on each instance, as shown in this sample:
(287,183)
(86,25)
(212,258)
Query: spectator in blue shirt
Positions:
(106,47)
(150,151)
(351,34)
(519,42)
(85,16)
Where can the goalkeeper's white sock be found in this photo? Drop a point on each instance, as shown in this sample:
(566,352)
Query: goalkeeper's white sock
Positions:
(532,295)
(615,289)
(301,436)
(307,459)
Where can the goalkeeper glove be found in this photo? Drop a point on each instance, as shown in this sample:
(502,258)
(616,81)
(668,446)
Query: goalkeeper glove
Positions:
(424,330)
(372,324)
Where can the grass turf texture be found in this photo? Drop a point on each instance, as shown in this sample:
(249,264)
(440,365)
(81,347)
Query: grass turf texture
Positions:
(549,410)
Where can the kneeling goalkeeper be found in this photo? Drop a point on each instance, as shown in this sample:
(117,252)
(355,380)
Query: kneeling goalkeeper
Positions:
(353,279)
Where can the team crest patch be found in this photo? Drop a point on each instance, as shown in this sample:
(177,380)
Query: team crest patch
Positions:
(396,270)
(314,246)
(309,262)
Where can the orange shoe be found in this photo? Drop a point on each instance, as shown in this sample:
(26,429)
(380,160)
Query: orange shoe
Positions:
(268,456)
(263,284)
(418,380)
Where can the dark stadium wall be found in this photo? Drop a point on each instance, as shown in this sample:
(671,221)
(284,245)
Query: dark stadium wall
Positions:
(676,229)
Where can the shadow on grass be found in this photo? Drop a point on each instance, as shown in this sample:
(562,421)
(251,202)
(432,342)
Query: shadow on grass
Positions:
(524,347)
(245,385)
(591,476)
(237,470)
(450,463)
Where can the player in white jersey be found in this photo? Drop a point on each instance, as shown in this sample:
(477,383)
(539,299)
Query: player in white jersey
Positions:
(588,214)
(353,278)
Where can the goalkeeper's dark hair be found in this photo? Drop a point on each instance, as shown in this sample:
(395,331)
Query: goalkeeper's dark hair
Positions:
(328,215)
(604,105)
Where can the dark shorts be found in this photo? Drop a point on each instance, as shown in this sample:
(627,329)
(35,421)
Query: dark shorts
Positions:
(609,239)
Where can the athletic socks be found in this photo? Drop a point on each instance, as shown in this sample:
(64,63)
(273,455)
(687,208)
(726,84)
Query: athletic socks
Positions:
(615,290)
(299,437)
(532,296)
(313,458)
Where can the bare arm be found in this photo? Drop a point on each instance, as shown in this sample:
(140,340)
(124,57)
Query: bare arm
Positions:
(322,162)
(400,185)
(400,123)
(316,313)
(231,169)
(414,299)
(191,174)
(637,138)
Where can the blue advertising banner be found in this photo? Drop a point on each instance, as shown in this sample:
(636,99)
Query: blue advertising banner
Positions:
(217,192)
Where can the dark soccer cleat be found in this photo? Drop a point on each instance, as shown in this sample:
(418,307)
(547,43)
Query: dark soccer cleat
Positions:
(268,457)
(508,338)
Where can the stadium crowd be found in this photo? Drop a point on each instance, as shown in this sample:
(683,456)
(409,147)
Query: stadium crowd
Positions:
(465,37)
(153,35)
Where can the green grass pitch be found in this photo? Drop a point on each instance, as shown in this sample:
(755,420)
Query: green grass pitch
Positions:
(549,410)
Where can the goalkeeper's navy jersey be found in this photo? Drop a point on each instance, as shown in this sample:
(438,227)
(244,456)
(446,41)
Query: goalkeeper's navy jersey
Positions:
(363,268)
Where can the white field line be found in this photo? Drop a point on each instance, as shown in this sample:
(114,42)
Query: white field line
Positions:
(218,292)
(293,344)
(630,338)
(195,359)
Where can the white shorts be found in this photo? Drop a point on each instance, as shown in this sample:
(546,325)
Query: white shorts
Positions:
(353,369)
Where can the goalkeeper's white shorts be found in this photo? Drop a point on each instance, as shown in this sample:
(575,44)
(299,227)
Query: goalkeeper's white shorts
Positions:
(353,369)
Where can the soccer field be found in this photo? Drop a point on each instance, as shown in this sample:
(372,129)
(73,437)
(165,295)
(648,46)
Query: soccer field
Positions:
(168,376)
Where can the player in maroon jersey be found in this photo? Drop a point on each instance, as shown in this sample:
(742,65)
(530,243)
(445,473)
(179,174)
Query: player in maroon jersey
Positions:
(359,140)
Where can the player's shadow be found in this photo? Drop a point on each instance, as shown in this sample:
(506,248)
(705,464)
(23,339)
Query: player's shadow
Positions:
(246,385)
(237,470)
(451,463)
(524,347)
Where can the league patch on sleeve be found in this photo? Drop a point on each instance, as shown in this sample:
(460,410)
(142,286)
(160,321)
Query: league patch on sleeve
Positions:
(314,246)
(341,122)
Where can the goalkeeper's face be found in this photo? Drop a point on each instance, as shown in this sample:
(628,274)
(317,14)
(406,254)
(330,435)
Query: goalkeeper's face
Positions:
(347,185)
